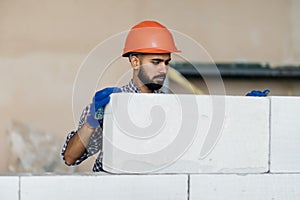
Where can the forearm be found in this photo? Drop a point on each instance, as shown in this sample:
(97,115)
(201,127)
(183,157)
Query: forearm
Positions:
(77,144)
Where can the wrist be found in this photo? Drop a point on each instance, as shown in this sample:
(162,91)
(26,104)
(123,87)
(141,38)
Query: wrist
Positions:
(92,122)
(89,126)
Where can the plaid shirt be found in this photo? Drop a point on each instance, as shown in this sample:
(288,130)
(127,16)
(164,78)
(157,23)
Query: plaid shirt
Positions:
(95,143)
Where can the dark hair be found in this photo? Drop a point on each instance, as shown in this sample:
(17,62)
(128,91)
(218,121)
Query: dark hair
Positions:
(133,54)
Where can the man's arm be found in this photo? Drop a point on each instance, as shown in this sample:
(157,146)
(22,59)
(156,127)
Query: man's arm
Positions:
(77,144)
(77,147)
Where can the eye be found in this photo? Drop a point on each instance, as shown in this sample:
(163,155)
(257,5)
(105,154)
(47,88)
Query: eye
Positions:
(155,62)
(167,62)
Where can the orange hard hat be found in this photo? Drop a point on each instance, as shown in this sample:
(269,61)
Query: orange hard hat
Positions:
(149,37)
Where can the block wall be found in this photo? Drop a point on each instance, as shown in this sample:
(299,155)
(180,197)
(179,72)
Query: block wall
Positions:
(271,170)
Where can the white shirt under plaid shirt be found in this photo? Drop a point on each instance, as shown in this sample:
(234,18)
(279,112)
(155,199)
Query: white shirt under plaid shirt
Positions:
(95,143)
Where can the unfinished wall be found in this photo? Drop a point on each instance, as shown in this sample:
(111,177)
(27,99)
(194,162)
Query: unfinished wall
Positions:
(42,45)
(264,165)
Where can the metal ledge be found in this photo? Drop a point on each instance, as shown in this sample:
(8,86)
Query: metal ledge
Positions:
(236,70)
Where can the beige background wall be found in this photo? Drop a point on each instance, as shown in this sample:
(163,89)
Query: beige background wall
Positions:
(43,43)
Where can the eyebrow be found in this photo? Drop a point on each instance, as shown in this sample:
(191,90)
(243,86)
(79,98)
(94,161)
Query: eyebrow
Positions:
(161,60)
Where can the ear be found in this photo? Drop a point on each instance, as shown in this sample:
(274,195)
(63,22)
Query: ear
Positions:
(135,62)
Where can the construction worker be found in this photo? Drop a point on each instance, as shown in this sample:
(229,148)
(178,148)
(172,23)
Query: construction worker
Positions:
(148,46)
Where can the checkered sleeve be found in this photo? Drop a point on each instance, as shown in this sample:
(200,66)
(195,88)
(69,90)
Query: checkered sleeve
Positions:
(95,143)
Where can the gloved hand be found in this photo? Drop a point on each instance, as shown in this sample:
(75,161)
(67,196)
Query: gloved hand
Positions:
(100,99)
(257,93)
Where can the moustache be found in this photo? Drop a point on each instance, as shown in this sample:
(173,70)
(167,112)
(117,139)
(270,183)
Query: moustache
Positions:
(160,76)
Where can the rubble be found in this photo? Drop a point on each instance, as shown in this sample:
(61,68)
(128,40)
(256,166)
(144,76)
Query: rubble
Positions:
(33,151)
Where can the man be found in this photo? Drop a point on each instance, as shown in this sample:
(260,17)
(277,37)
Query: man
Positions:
(148,46)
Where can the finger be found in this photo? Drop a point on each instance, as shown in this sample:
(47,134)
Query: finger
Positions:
(266,92)
(102,102)
(117,90)
(106,92)
(103,93)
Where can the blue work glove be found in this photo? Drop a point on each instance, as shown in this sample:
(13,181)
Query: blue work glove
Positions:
(257,93)
(101,98)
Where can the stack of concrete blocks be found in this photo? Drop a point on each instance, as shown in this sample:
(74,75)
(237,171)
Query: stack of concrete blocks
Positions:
(244,148)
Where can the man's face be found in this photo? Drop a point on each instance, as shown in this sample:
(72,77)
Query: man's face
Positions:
(153,70)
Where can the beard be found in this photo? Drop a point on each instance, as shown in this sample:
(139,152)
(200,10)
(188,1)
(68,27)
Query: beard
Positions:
(149,83)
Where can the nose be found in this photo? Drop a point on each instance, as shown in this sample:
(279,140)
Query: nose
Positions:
(163,68)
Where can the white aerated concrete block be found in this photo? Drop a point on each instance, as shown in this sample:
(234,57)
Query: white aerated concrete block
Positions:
(249,187)
(166,133)
(104,187)
(9,187)
(285,134)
